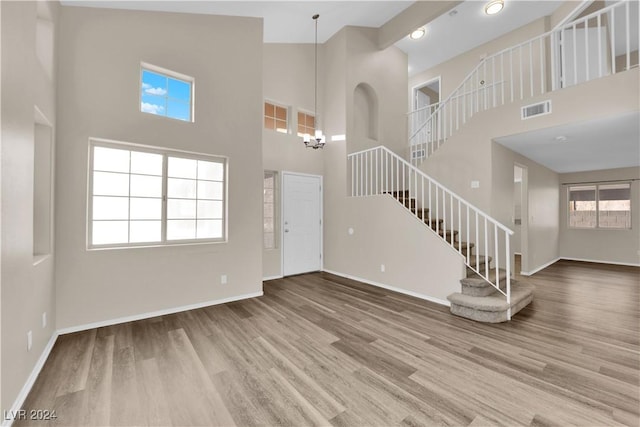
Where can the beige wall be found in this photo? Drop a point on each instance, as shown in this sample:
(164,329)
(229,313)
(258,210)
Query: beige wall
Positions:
(617,246)
(415,259)
(385,71)
(288,71)
(100,55)
(539,232)
(27,289)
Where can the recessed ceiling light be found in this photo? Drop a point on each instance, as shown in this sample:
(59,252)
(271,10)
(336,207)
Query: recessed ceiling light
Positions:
(494,7)
(561,138)
(417,34)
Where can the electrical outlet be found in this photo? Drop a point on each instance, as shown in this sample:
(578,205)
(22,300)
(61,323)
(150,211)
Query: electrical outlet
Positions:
(223,279)
(350,231)
(44,320)
(29,340)
(475,184)
(382,268)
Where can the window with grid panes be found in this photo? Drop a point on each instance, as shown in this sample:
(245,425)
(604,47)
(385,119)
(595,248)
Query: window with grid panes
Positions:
(275,117)
(166,93)
(269,212)
(153,196)
(306,124)
(600,205)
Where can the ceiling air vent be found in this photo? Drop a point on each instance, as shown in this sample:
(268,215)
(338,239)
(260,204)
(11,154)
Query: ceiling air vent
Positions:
(533,110)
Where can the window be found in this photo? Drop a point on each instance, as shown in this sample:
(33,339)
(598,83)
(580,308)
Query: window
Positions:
(306,124)
(165,93)
(269,218)
(275,117)
(143,195)
(600,206)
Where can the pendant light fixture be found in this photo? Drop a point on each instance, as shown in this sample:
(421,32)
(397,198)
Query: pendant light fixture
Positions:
(318,139)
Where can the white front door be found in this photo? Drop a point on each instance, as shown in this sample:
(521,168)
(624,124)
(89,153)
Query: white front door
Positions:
(301,223)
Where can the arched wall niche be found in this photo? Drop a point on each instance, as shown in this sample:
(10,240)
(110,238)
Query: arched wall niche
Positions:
(365,111)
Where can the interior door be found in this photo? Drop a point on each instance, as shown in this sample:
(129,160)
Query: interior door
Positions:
(301,223)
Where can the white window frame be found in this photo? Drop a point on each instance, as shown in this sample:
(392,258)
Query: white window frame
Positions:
(308,113)
(173,75)
(288,109)
(165,152)
(597,210)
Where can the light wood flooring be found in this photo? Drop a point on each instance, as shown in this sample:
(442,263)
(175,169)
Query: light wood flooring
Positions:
(320,349)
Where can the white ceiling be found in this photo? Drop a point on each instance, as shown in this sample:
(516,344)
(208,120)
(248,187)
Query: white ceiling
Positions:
(284,21)
(291,22)
(469,28)
(608,143)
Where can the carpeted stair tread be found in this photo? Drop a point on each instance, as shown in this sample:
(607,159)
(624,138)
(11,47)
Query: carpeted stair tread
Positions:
(495,302)
(481,260)
(463,245)
(474,279)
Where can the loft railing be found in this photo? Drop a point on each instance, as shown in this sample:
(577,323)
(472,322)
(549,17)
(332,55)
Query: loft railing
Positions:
(378,171)
(599,44)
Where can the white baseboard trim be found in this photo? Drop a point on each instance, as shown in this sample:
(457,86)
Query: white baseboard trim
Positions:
(164,312)
(542,267)
(391,288)
(628,264)
(264,279)
(17,404)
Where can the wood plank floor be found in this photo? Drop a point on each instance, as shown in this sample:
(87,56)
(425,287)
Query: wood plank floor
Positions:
(322,350)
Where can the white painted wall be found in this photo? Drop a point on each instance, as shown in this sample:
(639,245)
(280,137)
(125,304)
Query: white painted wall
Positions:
(616,246)
(27,290)
(100,55)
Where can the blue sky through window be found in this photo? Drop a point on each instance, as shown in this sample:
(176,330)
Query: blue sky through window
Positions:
(165,96)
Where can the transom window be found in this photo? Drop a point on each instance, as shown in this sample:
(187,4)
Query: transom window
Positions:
(600,205)
(151,196)
(275,117)
(306,124)
(166,93)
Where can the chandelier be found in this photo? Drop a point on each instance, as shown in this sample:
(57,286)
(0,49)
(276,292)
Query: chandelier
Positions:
(318,139)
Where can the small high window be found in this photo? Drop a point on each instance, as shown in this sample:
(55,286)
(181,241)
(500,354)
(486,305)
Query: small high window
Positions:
(166,93)
(306,124)
(275,117)
(600,206)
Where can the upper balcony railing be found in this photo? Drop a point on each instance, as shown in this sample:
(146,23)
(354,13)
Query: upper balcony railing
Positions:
(599,44)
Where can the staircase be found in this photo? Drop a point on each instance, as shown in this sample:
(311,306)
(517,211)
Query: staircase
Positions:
(489,294)
(478,300)
(591,47)
(594,46)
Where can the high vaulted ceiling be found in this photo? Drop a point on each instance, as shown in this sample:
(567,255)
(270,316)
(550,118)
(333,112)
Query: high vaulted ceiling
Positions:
(466,27)
(291,22)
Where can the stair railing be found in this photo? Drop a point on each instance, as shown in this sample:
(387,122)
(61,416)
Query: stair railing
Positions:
(591,47)
(379,171)
(417,118)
